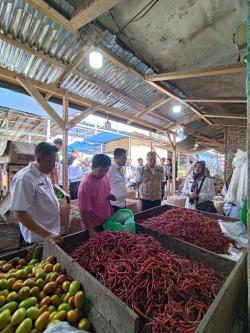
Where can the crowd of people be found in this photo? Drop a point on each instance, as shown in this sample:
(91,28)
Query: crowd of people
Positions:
(101,188)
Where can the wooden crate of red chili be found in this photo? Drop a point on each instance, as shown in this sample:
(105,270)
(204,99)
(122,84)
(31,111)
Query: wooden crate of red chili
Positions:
(198,228)
(218,317)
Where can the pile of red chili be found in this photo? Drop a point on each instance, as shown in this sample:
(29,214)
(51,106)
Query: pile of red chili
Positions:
(191,227)
(170,293)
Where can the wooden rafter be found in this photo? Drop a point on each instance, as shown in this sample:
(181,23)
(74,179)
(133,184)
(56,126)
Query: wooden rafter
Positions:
(109,88)
(91,38)
(152,107)
(90,10)
(224,116)
(29,87)
(115,60)
(32,51)
(206,139)
(11,77)
(52,14)
(200,72)
(215,100)
(176,98)
(84,114)
(180,122)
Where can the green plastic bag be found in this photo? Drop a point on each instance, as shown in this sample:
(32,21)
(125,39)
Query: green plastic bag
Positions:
(123,220)
(244,211)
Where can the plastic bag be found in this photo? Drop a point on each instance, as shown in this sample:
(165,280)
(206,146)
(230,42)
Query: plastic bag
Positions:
(237,190)
(63,327)
(236,231)
(123,220)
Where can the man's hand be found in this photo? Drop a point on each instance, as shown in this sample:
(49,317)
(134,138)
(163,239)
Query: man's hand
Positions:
(193,195)
(111,197)
(54,238)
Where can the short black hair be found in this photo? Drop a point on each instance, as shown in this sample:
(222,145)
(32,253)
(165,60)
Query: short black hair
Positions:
(101,160)
(118,152)
(140,159)
(45,149)
(58,141)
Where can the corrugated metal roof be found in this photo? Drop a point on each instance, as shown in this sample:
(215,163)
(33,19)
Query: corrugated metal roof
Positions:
(154,120)
(123,80)
(91,91)
(25,23)
(22,62)
(23,148)
(65,5)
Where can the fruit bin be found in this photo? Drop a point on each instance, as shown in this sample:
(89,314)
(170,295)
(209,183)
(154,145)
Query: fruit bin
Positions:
(222,312)
(105,311)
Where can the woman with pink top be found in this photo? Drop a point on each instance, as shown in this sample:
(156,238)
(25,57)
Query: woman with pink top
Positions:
(94,194)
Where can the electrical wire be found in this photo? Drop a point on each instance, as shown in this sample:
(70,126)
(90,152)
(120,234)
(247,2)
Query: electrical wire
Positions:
(135,18)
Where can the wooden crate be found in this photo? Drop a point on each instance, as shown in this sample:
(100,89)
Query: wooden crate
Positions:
(107,313)
(111,315)
(222,312)
(161,209)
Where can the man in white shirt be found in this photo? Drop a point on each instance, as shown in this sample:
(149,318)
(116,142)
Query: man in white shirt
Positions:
(75,175)
(117,179)
(33,200)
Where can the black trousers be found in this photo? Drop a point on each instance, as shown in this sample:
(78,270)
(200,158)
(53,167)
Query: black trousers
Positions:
(73,189)
(148,204)
(115,208)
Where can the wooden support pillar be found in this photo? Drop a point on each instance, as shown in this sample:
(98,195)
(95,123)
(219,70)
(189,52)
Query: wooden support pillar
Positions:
(174,163)
(65,140)
(48,130)
(225,152)
(248,150)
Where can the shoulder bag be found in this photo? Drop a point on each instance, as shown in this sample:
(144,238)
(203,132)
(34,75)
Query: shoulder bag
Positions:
(205,206)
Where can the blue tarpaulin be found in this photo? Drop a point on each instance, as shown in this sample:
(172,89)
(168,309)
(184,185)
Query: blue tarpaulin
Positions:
(92,142)
(104,137)
(80,146)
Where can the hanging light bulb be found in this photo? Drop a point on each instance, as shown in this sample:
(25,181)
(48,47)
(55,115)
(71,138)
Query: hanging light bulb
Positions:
(95,59)
(177,109)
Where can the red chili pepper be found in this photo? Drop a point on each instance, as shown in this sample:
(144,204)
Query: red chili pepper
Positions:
(169,292)
(191,227)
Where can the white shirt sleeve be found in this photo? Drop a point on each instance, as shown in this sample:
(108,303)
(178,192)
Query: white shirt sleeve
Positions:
(22,194)
(208,191)
(186,188)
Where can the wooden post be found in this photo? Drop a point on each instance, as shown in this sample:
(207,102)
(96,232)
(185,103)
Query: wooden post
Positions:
(65,141)
(248,149)
(174,163)
(48,130)
(225,152)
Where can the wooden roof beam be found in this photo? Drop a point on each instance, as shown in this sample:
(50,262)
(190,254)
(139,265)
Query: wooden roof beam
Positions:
(84,114)
(90,40)
(152,107)
(11,77)
(178,99)
(90,10)
(215,100)
(115,60)
(199,72)
(224,116)
(52,14)
(28,86)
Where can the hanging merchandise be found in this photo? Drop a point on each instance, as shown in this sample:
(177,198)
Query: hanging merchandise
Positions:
(237,190)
